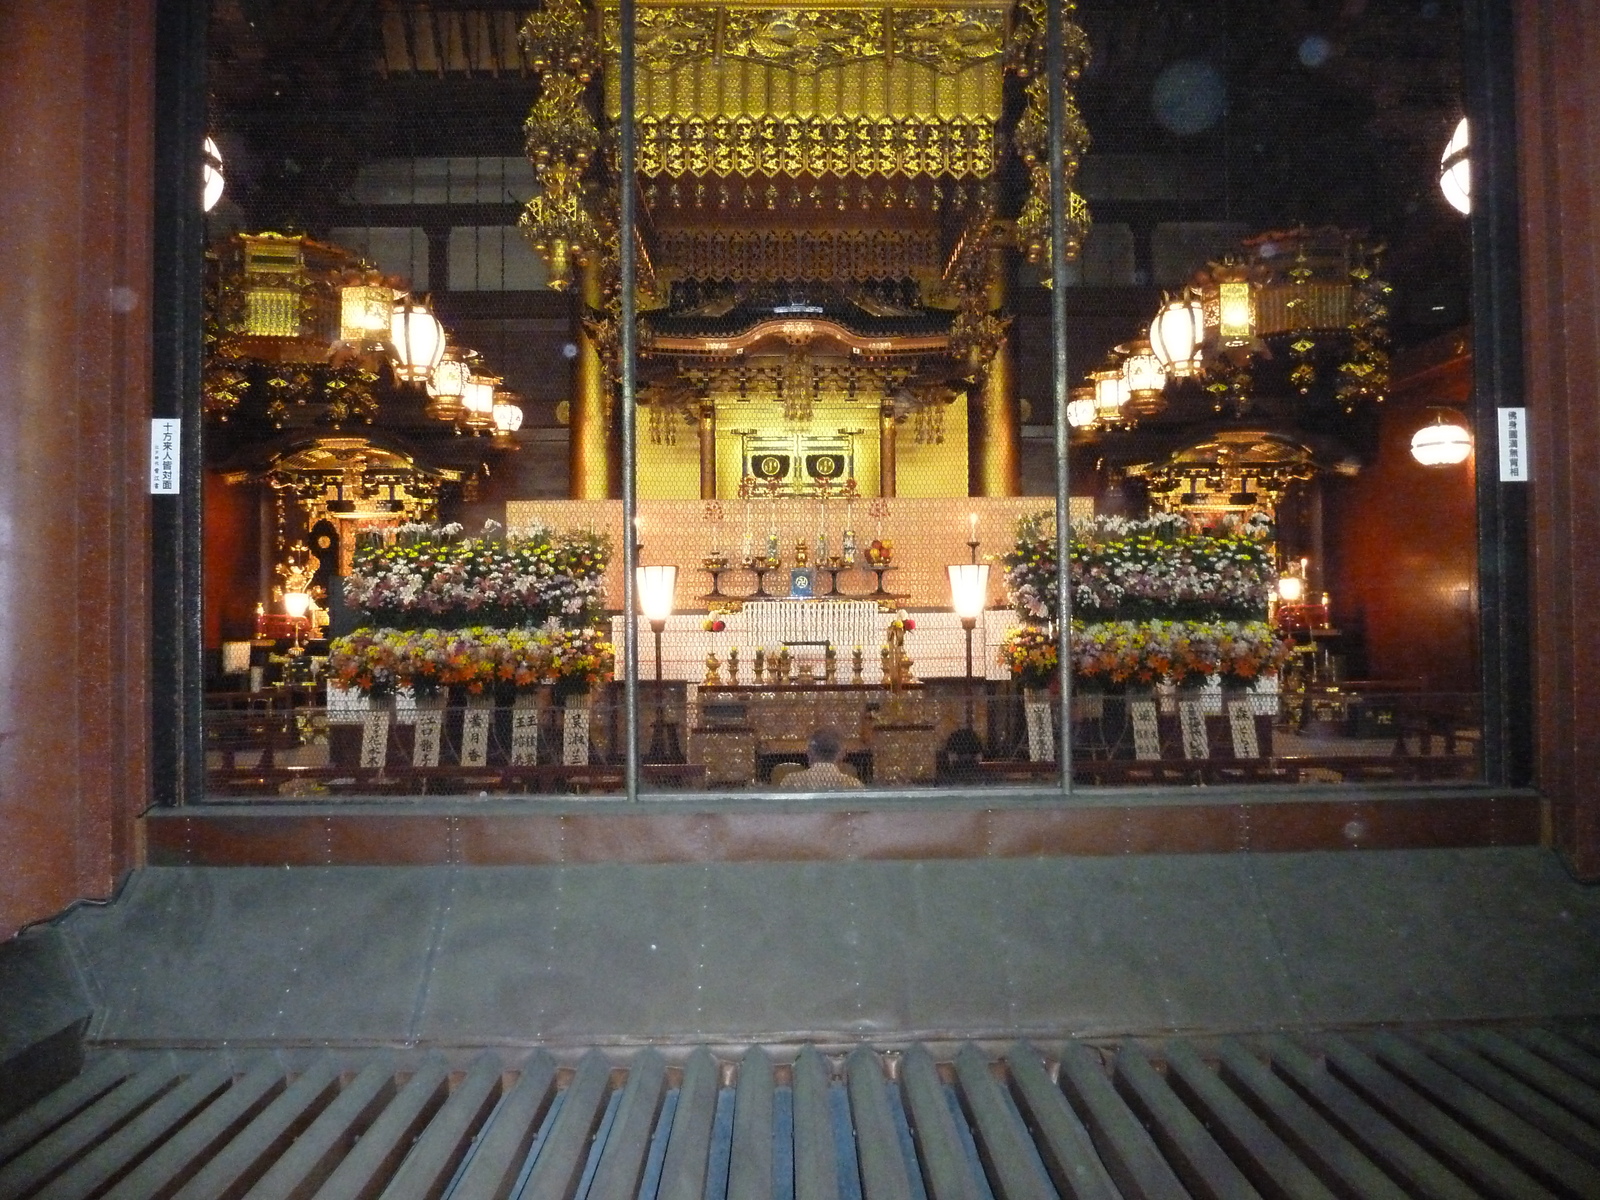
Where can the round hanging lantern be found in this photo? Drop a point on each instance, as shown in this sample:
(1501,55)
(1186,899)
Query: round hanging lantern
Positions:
(1442,444)
(417,340)
(1176,335)
(1145,378)
(211,175)
(447,386)
(1080,407)
(507,420)
(1455,171)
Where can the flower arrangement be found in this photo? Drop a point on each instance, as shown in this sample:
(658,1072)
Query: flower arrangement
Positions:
(1164,567)
(1148,652)
(1031,654)
(378,662)
(427,577)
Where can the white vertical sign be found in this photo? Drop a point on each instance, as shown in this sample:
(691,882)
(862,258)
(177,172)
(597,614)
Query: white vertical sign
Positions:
(427,733)
(165,438)
(1514,445)
(1192,720)
(575,736)
(1146,730)
(475,722)
(1242,722)
(525,732)
(375,737)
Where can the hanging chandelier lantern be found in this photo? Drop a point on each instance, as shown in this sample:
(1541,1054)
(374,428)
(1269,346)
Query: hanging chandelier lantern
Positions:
(1455,171)
(1110,392)
(447,386)
(1442,444)
(507,420)
(1236,312)
(1144,378)
(477,402)
(1176,336)
(417,340)
(366,312)
(1080,407)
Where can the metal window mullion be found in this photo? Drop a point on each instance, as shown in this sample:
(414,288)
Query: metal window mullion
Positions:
(1055,68)
(629,348)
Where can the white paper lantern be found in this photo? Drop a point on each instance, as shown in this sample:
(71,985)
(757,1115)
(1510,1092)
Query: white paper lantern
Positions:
(1442,444)
(417,340)
(1455,171)
(1176,336)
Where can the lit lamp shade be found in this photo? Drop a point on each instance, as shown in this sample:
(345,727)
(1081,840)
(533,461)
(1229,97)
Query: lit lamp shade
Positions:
(507,420)
(1455,171)
(447,387)
(366,313)
(1442,444)
(478,401)
(1146,380)
(1291,589)
(211,176)
(1110,392)
(417,340)
(655,586)
(1176,336)
(296,604)
(1236,312)
(1080,407)
(969,589)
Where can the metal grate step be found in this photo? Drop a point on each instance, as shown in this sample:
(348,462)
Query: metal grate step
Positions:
(1504,1112)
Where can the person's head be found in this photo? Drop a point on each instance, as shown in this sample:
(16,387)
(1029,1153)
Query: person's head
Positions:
(825,746)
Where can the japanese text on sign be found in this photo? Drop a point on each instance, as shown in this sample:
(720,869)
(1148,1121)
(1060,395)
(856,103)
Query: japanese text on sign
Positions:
(1514,445)
(164,442)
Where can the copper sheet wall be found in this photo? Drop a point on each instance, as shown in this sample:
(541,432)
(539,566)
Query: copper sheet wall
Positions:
(75,296)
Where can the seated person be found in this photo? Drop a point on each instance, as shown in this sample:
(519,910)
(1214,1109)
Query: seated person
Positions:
(823,752)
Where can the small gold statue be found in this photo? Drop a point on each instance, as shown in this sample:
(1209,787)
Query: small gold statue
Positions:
(713,670)
(800,553)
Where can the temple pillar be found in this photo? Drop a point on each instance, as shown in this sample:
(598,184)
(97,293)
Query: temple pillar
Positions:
(993,420)
(76,225)
(886,436)
(708,450)
(591,458)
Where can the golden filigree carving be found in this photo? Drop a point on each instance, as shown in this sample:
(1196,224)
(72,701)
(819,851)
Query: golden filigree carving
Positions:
(860,146)
(804,40)
(766,256)
(665,38)
(949,41)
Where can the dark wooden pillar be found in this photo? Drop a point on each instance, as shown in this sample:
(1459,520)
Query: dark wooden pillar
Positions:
(1558,124)
(75,343)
